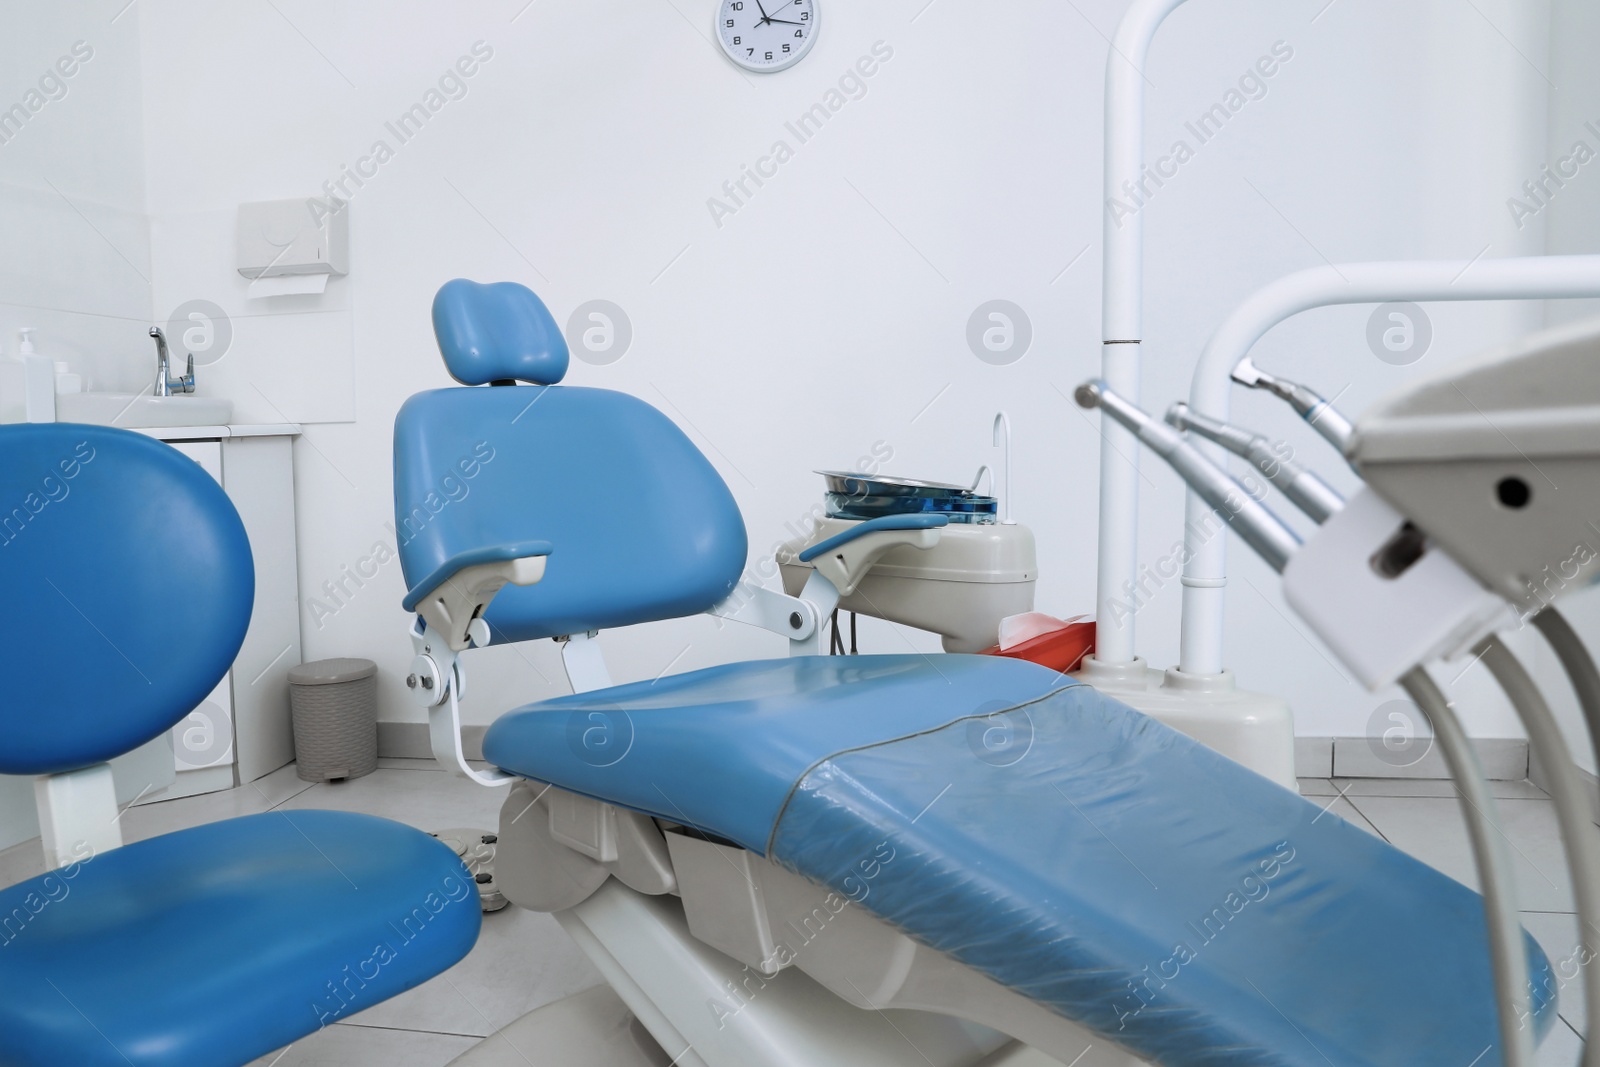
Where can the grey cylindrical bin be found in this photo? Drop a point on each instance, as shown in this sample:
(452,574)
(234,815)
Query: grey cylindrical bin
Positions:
(334,703)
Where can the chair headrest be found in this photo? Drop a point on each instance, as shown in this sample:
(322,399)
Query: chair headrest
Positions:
(497,332)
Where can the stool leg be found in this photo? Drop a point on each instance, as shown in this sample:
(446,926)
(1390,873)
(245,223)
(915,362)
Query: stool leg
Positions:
(77,814)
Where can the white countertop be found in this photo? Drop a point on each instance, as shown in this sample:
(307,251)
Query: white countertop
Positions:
(213,433)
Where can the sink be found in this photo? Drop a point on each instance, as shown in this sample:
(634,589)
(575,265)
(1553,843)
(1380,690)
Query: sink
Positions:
(138,410)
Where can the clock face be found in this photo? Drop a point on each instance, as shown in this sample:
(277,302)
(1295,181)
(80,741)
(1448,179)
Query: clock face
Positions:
(767,35)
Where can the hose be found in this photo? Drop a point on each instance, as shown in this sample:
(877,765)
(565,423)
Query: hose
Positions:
(1507,959)
(1578,834)
(1578,664)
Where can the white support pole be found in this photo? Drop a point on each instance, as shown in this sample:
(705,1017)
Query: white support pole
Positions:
(1527,278)
(77,814)
(1122,314)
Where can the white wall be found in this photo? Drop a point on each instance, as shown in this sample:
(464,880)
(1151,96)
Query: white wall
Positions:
(72,178)
(74,244)
(829,313)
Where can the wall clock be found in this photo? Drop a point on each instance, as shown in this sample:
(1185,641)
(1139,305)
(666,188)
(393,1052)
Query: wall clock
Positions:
(767,35)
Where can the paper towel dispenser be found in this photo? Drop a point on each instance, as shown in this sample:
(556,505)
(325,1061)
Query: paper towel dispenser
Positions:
(284,238)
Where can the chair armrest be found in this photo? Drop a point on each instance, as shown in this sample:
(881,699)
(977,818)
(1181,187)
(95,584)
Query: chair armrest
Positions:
(844,559)
(872,526)
(453,597)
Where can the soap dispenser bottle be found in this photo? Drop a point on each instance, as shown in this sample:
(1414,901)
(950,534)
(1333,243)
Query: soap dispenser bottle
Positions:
(39,379)
(66,380)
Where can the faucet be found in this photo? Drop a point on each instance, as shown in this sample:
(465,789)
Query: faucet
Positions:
(166,385)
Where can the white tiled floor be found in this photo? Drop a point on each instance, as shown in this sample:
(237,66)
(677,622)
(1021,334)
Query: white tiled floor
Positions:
(524,960)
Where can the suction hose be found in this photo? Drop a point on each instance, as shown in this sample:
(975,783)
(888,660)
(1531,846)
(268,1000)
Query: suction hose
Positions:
(1507,957)
(1578,833)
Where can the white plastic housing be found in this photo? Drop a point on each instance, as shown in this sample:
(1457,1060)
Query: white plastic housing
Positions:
(960,588)
(286,237)
(1382,627)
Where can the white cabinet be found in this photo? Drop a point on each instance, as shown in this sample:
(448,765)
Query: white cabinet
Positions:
(242,730)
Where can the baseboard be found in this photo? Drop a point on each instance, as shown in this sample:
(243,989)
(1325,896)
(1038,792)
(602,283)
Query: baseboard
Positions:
(1313,757)
(409,740)
(1591,785)
(1503,759)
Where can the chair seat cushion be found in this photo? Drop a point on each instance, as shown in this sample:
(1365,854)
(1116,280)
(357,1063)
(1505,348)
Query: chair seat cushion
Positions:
(1163,896)
(213,946)
(720,749)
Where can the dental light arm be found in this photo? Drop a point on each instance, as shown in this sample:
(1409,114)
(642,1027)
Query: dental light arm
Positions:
(1122,309)
(1303,487)
(1252,521)
(1308,404)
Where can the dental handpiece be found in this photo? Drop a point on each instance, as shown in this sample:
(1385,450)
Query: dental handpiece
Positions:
(1253,521)
(1303,487)
(1323,416)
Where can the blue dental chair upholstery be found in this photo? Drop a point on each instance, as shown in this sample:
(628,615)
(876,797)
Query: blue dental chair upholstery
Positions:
(1070,848)
(130,584)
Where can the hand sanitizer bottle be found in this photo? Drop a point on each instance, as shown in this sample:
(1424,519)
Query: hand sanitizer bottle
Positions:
(39,380)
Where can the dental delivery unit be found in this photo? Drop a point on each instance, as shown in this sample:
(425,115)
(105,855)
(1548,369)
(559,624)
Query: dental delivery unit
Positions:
(1029,849)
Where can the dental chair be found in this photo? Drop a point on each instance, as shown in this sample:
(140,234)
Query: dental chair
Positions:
(129,585)
(866,860)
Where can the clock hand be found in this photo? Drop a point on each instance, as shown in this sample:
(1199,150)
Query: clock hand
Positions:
(765,18)
(786,22)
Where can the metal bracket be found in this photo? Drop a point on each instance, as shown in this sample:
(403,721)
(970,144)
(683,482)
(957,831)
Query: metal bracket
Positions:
(583,662)
(779,613)
(437,681)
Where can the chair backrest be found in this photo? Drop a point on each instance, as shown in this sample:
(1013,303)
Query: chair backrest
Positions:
(642,526)
(128,584)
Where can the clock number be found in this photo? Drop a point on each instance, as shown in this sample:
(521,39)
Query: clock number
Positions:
(805,16)
(738,6)
(738,40)
(798,33)
(749,51)
(729,24)
(786,48)
(769,56)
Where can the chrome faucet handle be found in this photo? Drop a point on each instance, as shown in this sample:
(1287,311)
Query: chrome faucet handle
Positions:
(166,385)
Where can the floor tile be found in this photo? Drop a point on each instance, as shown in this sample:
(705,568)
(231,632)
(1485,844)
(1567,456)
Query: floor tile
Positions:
(405,763)
(428,801)
(1317,787)
(523,960)
(1557,934)
(1431,829)
(347,1045)
(21,861)
(1346,811)
(164,816)
(280,785)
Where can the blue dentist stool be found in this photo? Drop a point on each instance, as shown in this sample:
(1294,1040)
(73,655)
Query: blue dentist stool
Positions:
(129,585)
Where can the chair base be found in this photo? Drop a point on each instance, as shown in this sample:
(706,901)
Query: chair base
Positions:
(708,1010)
